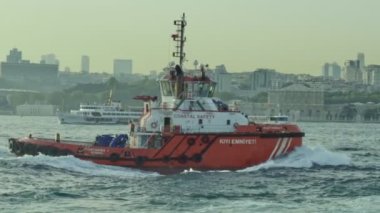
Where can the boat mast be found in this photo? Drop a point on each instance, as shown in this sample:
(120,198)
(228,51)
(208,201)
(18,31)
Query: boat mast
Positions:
(180,39)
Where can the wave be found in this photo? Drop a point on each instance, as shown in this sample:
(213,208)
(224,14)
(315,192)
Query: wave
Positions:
(73,164)
(301,157)
(305,157)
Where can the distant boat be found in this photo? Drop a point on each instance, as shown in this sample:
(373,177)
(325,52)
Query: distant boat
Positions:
(281,119)
(109,113)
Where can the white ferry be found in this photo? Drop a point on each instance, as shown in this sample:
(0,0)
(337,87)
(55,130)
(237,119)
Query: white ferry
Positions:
(268,119)
(111,113)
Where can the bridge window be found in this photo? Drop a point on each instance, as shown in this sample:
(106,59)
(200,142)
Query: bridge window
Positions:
(166,88)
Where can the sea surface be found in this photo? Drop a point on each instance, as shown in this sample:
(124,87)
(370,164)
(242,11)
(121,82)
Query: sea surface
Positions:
(336,170)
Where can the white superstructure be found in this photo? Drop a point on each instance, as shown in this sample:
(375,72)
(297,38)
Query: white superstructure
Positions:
(111,113)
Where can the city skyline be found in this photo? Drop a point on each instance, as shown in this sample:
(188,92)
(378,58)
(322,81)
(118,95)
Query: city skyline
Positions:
(296,36)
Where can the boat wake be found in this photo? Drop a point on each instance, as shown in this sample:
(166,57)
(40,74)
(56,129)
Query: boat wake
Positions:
(70,163)
(302,157)
(305,157)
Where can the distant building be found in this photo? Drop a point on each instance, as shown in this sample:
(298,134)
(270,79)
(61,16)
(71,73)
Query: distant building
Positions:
(223,81)
(69,79)
(122,68)
(220,69)
(352,70)
(263,79)
(355,72)
(325,71)
(49,59)
(36,110)
(14,56)
(336,71)
(299,101)
(18,70)
(331,71)
(361,60)
(373,72)
(85,64)
(22,72)
(153,75)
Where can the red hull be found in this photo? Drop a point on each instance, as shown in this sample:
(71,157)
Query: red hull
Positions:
(246,147)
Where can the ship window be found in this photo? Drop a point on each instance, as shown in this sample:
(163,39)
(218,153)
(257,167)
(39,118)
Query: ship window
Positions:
(96,114)
(167,121)
(166,88)
(211,90)
(200,121)
(202,89)
(194,105)
(228,122)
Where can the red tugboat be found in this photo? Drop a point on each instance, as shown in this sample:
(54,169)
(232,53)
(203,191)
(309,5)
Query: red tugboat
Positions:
(188,128)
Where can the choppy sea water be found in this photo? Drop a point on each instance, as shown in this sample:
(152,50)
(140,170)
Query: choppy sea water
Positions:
(336,170)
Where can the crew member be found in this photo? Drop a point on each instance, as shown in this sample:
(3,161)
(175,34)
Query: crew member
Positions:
(132,128)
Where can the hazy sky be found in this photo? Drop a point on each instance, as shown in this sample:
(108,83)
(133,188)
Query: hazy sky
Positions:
(292,36)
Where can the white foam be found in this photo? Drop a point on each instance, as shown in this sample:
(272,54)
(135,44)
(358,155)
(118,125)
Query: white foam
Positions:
(302,157)
(76,165)
(305,157)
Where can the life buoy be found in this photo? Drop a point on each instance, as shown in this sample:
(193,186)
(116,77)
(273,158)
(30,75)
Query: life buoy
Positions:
(153,125)
(166,158)
(182,159)
(80,150)
(197,157)
(114,157)
(236,125)
(205,139)
(191,141)
(140,160)
(127,154)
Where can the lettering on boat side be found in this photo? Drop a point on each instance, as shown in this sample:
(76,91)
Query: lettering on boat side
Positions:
(237,141)
(97,151)
(204,116)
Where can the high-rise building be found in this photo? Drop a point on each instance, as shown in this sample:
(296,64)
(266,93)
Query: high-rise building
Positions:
(336,71)
(223,81)
(122,68)
(18,70)
(49,59)
(220,69)
(326,71)
(14,56)
(361,59)
(353,73)
(331,71)
(263,79)
(373,72)
(85,64)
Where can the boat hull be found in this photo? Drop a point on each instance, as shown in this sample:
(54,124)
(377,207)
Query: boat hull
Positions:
(177,152)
